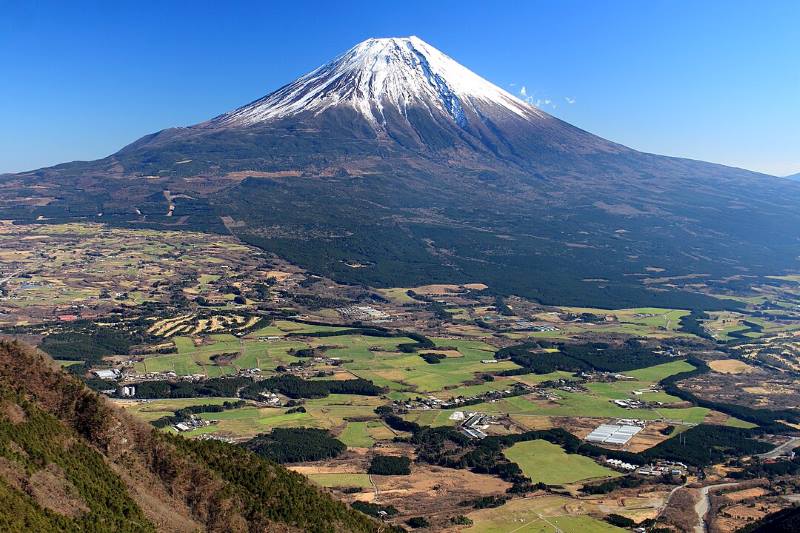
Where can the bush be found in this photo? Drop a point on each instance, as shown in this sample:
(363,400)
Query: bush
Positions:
(373,509)
(620,521)
(417,522)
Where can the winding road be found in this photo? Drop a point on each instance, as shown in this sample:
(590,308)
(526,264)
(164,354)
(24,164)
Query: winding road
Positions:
(778,450)
(701,507)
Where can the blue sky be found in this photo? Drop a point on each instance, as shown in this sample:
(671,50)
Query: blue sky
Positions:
(712,80)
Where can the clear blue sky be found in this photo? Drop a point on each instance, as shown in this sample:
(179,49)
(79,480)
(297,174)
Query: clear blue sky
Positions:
(712,80)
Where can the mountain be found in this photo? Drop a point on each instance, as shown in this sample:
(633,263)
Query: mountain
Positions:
(393,165)
(70,461)
(794,176)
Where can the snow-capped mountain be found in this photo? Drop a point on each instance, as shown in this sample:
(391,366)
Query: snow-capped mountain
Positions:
(377,74)
(396,158)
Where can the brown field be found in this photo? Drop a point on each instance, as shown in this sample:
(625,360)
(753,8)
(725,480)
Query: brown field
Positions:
(332,468)
(530,422)
(242,174)
(739,515)
(277,274)
(432,490)
(746,494)
(442,289)
(730,366)
(647,438)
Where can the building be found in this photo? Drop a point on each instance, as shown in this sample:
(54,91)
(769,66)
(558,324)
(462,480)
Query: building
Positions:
(107,374)
(618,434)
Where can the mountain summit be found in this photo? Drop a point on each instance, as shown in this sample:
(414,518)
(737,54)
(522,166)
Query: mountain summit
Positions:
(380,78)
(395,158)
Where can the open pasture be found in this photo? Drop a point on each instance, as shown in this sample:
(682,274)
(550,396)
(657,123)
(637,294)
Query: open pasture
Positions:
(543,514)
(548,463)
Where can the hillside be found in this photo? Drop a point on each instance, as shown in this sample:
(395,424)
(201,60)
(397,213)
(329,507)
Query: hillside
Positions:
(69,461)
(395,158)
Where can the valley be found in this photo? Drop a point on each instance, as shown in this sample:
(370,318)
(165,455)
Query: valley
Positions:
(392,296)
(214,339)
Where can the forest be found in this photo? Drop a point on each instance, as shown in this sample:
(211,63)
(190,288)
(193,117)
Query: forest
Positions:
(293,445)
(296,387)
(390,465)
(630,355)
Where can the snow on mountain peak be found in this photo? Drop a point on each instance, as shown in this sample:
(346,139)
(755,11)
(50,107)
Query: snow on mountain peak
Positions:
(376,73)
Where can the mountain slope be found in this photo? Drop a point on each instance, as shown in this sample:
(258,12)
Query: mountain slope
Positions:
(71,462)
(396,158)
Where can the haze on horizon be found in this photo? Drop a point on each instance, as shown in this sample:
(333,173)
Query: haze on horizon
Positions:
(718,82)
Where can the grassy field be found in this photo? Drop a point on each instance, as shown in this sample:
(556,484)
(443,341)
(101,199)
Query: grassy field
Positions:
(152,409)
(549,514)
(192,359)
(548,463)
(326,413)
(341,480)
(364,434)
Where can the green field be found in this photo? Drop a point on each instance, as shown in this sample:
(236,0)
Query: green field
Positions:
(152,409)
(192,359)
(331,412)
(356,435)
(548,463)
(341,480)
(596,403)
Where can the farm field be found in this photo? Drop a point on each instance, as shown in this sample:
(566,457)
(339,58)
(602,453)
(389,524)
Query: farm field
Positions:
(325,413)
(364,434)
(549,514)
(593,404)
(340,480)
(152,409)
(225,308)
(548,463)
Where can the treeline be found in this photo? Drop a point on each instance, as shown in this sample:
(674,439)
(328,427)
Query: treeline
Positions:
(766,419)
(367,332)
(420,341)
(691,323)
(186,412)
(789,467)
(432,358)
(741,334)
(296,387)
(294,445)
(610,485)
(698,446)
(580,357)
(89,344)
(783,521)
(706,444)
(214,387)
(374,509)
(390,465)
(270,494)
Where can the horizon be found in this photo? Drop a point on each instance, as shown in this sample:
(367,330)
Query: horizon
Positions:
(67,99)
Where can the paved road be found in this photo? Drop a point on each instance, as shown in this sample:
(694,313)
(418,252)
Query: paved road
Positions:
(701,507)
(778,450)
